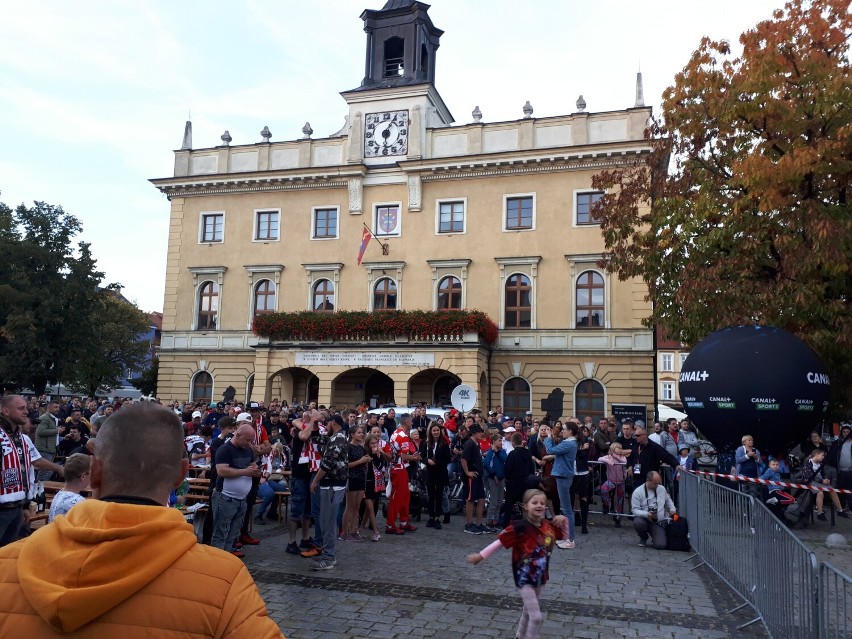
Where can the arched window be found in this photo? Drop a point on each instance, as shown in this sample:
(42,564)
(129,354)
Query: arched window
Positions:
(202,387)
(590,300)
(384,294)
(589,400)
(518,301)
(208,306)
(516,397)
(449,294)
(323,298)
(264,298)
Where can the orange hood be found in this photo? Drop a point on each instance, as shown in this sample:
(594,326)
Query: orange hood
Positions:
(101,553)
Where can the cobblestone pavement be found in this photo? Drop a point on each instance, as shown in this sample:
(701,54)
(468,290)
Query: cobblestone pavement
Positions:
(419,585)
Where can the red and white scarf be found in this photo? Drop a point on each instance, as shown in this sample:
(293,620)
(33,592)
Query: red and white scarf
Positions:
(15,471)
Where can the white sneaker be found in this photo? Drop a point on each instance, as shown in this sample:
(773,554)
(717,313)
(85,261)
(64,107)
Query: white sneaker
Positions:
(565,544)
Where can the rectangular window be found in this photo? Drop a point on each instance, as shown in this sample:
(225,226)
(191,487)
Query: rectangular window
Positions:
(683,357)
(667,391)
(325,224)
(667,362)
(212,227)
(451,217)
(519,213)
(266,227)
(585,202)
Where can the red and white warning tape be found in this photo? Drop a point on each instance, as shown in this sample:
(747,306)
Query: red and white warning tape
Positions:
(766,482)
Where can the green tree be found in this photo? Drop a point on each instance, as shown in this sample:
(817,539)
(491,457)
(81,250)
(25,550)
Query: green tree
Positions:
(146,383)
(48,287)
(114,346)
(740,213)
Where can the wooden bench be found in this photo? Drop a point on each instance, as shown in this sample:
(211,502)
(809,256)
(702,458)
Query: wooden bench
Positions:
(283,498)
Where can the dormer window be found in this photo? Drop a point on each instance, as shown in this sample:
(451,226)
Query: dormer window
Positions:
(394,57)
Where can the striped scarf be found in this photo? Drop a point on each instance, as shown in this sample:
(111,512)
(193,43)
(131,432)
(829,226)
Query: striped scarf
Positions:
(15,470)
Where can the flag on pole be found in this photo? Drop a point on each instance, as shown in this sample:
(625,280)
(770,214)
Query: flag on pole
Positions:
(366,236)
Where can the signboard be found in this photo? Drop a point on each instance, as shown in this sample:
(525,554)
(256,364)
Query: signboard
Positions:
(631,411)
(463,398)
(369,359)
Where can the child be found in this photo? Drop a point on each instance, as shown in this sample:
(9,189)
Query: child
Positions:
(531,540)
(812,474)
(772,473)
(685,463)
(77,469)
(616,464)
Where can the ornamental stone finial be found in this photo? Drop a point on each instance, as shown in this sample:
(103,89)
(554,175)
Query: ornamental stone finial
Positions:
(477,114)
(226,138)
(307,131)
(528,110)
(266,134)
(581,104)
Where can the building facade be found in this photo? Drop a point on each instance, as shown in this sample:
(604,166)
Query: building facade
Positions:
(489,216)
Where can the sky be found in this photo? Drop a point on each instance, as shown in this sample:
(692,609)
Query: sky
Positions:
(94,94)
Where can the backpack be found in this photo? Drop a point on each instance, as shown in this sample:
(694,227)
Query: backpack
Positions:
(677,535)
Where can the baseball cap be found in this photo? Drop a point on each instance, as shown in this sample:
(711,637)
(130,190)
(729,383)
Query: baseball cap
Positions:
(509,429)
(682,447)
(220,405)
(639,423)
(253,406)
(196,414)
(243,417)
(476,428)
(846,427)
(529,412)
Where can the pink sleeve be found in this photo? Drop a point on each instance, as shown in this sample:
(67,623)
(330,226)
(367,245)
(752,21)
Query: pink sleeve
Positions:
(491,549)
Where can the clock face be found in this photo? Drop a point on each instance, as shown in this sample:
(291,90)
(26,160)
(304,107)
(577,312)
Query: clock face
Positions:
(386,134)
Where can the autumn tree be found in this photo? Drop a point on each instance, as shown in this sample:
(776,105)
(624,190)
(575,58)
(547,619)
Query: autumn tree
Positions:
(740,212)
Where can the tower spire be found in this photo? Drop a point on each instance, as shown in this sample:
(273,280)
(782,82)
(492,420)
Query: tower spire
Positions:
(187,137)
(640,98)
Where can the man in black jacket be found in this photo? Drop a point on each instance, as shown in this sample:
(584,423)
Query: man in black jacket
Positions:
(519,469)
(649,455)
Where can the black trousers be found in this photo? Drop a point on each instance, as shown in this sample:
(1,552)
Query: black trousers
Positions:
(435,484)
(250,499)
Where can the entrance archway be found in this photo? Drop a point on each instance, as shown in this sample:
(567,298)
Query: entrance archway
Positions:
(362,385)
(294,385)
(433,386)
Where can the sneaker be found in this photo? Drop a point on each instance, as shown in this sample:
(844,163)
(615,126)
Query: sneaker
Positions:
(375,537)
(773,500)
(311,552)
(821,516)
(430,523)
(249,541)
(565,544)
(446,519)
(471,529)
(356,536)
(482,529)
(258,521)
(407,527)
(437,525)
(643,542)
(584,531)
(238,544)
(843,513)
(307,544)
(238,553)
(292,548)
(323,564)
(393,530)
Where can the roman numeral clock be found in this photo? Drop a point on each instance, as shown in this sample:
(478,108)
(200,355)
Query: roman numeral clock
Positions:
(386,134)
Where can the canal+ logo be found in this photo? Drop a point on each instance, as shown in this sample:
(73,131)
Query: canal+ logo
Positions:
(818,378)
(694,376)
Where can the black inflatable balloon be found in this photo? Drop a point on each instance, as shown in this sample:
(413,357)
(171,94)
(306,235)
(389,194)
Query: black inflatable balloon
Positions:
(755,380)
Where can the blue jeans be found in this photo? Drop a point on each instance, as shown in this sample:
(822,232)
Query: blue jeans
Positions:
(228,516)
(330,501)
(266,494)
(563,487)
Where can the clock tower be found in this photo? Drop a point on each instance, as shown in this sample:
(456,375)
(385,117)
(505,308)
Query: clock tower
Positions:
(397,100)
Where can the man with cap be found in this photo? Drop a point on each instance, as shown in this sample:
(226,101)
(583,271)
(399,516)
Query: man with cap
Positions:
(840,457)
(214,416)
(191,427)
(528,420)
(330,481)
(507,438)
(474,485)
(48,432)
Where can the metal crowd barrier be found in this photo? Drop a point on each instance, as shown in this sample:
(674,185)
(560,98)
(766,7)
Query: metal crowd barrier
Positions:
(835,599)
(740,539)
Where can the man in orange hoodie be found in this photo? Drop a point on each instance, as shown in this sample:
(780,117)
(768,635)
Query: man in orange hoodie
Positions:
(124,564)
